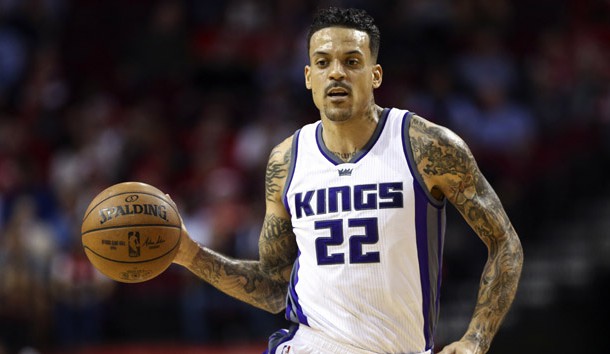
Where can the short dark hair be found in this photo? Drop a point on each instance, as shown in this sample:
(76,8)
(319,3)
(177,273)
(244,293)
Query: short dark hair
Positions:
(349,18)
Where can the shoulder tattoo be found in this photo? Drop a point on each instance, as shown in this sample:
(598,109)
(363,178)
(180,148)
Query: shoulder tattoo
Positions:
(277,170)
(440,153)
(435,153)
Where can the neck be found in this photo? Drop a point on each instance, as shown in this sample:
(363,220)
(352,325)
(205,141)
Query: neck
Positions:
(348,137)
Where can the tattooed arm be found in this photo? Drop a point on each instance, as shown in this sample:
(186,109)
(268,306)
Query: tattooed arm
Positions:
(449,170)
(262,283)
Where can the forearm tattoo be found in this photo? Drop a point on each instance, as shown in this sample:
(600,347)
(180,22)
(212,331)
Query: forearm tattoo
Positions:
(260,283)
(243,280)
(442,156)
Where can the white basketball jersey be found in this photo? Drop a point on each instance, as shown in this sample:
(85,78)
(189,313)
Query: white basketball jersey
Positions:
(370,240)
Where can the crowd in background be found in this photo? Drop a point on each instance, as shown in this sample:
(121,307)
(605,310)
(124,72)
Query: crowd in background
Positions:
(190,96)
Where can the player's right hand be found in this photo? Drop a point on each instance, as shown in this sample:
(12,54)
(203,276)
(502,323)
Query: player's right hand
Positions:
(187,248)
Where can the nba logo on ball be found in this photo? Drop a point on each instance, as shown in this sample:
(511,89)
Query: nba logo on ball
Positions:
(131,232)
(134,243)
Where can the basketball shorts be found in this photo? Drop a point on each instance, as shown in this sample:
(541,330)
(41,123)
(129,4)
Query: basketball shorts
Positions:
(304,340)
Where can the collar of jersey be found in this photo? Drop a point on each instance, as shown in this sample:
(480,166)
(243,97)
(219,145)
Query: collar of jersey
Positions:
(334,159)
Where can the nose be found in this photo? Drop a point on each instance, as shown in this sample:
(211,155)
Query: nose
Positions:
(336,70)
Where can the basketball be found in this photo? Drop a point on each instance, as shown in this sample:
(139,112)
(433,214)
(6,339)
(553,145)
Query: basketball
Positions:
(131,232)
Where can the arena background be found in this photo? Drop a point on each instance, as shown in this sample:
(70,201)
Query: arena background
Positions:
(191,95)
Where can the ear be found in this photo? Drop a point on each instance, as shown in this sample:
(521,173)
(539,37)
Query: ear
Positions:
(377,76)
(308,77)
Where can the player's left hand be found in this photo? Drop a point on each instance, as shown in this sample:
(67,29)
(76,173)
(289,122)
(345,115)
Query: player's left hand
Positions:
(461,347)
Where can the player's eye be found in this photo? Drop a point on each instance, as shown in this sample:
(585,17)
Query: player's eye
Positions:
(321,62)
(352,62)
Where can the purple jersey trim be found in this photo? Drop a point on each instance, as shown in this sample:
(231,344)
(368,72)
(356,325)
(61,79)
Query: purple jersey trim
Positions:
(291,166)
(406,146)
(421,229)
(294,311)
(429,227)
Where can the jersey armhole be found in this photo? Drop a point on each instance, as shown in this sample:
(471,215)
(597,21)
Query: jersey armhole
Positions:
(406,145)
(291,166)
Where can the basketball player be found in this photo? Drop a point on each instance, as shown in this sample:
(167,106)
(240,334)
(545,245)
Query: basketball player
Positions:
(355,217)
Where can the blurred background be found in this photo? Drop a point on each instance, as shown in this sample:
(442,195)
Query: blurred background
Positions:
(190,96)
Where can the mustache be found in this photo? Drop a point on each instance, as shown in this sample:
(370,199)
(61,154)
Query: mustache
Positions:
(337,84)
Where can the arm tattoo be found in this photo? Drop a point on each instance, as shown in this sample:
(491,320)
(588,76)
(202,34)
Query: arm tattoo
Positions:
(277,242)
(276,172)
(241,279)
(260,283)
(444,158)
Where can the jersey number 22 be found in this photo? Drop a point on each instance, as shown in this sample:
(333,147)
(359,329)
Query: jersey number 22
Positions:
(336,238)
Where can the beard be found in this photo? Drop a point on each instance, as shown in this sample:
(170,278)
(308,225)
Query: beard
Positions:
(337,114)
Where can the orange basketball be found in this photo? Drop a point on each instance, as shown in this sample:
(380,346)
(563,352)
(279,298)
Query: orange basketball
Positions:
(131,232)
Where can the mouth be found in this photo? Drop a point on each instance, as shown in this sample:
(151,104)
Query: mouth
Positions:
(337,93)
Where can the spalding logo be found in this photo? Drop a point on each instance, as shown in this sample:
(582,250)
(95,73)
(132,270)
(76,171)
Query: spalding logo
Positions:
(115,212)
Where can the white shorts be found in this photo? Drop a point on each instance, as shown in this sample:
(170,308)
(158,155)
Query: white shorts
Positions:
(304,340)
